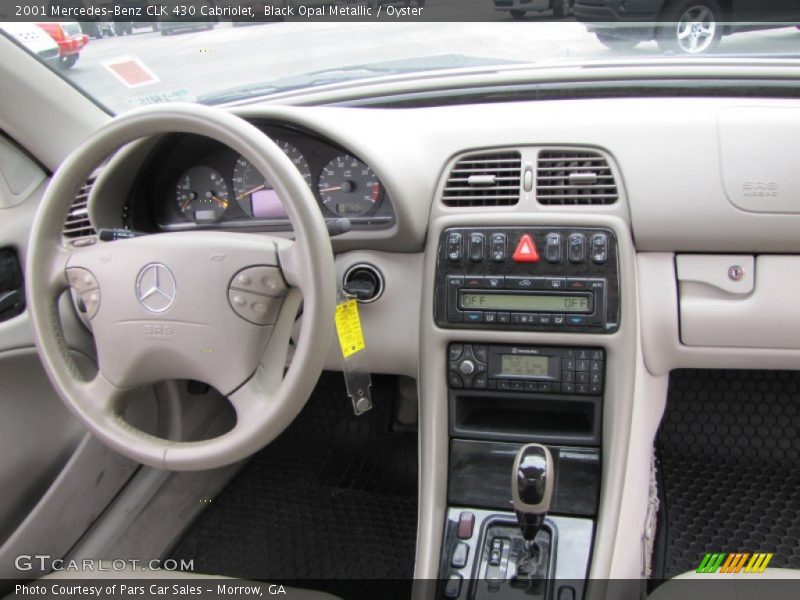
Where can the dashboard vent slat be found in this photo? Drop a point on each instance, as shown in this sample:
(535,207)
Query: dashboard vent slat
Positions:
(77,224)
(567,177)
(490,179)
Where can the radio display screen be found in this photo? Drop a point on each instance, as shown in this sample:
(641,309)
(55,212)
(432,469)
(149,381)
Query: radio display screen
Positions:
(524,366)
(564,303)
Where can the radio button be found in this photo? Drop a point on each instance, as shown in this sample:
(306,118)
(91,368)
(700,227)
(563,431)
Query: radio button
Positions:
(568,376)
(595,389)
(596,378)
(531,386)
(582,377)
(517,386)
(552,248)
(577,248)
(582,365)
(481,353)
(455,380)
(480,382)
(568,364)
(455,351)
(546,386)
(489,317)
(476,247)
(596,355)
(473,316)
(503,384)
(596,366)
(555,283)
(567,388)
(582,388)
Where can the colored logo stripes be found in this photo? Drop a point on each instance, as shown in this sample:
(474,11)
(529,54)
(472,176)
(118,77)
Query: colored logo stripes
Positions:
(734,562)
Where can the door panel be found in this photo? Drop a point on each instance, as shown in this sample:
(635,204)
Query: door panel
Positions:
(37,433)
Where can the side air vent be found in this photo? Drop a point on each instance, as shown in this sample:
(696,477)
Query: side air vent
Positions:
(490,179)
(78,224)
(574,177)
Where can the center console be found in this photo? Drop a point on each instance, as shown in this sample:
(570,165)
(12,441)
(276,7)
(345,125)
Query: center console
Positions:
(503,396)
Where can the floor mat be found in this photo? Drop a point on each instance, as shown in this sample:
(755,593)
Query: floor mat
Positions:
(729,452)
(333,498)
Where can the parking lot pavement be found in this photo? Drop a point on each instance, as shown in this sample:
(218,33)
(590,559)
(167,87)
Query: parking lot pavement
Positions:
(198,63)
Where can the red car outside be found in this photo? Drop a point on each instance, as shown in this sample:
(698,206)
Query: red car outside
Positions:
(70,39)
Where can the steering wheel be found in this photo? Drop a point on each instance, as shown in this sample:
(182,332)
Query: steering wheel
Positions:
(212,306)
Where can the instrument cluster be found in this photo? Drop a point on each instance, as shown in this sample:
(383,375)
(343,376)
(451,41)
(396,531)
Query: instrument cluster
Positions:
(196,182)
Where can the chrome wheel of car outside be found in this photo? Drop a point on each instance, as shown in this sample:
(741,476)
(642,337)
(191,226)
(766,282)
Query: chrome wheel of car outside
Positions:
(696,29)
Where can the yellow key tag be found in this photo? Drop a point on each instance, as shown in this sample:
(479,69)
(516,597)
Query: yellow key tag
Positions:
(348,328)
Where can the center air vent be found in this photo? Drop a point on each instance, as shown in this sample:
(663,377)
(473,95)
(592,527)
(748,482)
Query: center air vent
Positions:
(490,179)
(574,177)
(77,224)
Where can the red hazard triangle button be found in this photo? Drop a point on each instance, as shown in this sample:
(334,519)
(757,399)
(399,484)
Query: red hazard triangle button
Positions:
(526,250)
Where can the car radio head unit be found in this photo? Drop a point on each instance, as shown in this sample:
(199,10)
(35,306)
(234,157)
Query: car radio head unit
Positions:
(530,278)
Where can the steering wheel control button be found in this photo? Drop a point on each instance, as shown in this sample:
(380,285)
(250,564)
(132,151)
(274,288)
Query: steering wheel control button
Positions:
(526,250)
(90,302)
(156,288)
(256,308)
(266,281)
(81,280)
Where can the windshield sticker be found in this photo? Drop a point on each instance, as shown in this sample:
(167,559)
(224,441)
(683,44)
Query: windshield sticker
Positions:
(180,95)
(131,71)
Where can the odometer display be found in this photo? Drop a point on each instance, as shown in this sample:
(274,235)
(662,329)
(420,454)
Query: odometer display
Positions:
(255,194)
(349,188)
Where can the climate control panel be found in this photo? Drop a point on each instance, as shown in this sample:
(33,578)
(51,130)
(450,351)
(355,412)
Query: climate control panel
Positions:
(530,278)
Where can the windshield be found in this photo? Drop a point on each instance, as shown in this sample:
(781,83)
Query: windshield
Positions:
(151,55)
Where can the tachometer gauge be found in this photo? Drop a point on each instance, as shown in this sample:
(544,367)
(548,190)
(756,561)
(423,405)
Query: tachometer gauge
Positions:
(255,194)
(349,188)
(202,195)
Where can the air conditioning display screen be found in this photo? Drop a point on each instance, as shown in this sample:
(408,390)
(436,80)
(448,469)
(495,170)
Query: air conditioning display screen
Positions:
(557,303)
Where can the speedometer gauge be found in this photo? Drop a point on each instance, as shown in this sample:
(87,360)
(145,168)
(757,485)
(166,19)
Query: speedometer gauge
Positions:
(202,194)
(348,187)
(255,194)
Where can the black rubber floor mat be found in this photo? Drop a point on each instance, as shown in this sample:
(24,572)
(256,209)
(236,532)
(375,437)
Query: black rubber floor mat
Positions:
(333,498)
(729,453)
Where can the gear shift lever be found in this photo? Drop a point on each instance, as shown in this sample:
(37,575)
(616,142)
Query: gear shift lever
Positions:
(532,488)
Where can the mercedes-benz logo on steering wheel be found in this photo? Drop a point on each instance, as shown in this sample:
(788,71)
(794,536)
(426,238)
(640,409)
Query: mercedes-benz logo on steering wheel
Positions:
(155,287)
